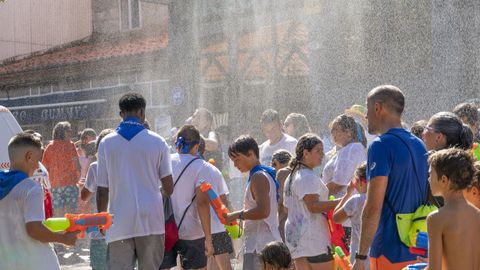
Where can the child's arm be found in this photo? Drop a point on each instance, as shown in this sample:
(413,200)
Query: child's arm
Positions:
(89,185)
(339,214)
(37,231)
(435,245)
(203,208)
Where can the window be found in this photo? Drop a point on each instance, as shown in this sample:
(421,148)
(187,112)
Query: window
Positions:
(129,14)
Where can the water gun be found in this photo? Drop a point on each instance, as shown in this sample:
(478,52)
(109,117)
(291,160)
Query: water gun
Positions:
(81,222)
(421,245)
(476,150)
(220,209)
(341,259)
(336,231)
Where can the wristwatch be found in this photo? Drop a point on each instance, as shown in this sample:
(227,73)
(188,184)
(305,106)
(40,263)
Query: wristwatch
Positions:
(360,257)
(240,215)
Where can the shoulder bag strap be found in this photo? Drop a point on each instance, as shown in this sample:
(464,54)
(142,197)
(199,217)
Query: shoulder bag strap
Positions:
(178,178)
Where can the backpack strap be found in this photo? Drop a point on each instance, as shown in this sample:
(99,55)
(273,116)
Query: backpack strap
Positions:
(178,178)
(412,156)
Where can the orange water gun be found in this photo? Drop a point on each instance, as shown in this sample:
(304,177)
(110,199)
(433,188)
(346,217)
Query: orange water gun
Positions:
(216,203)
(341,259)
(81,222)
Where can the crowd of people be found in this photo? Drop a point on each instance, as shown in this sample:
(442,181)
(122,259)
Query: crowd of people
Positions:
(298,191)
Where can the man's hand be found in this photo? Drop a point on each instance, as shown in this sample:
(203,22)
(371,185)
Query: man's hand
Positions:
(358,264)
(208,247)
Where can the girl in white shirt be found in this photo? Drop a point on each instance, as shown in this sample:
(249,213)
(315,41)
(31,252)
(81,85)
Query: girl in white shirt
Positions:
(306,199)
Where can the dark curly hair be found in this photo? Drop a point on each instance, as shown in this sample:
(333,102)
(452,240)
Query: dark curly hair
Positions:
(456,164)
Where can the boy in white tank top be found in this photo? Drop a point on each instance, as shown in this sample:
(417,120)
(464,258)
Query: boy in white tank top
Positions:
(260,201)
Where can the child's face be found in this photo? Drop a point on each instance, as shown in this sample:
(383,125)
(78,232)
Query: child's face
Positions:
(314,157)
(360,184)
(472,195)
(243,162)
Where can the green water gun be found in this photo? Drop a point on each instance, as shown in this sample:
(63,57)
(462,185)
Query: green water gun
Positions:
(476,150)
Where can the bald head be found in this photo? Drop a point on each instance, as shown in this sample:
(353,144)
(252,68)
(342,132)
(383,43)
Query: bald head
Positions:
(391,97)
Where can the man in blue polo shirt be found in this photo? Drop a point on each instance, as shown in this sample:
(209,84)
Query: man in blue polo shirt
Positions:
(396,185)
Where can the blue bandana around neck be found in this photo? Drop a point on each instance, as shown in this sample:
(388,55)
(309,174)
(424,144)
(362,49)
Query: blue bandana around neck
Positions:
(130,127)
(8,180)
(270,171)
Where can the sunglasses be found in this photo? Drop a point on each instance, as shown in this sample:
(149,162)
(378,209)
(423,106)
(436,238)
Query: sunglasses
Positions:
(431,129)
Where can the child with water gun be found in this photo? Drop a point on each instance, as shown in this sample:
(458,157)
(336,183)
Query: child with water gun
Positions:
(24,240)
(350,207)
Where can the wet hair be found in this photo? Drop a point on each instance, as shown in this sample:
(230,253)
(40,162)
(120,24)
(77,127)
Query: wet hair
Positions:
(456,164)
(187,137)
(23,140)
(100,137)
(389,96)
(299,122)
(467,111)
(88,132)
(242,145)
(457,134)
(276,254)
(132,102)
(60,129)
(348,123)
(361,171)
(306,142)
(270,116)
(418,127)
(282,156)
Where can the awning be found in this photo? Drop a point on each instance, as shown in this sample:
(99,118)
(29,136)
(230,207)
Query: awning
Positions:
(64,111)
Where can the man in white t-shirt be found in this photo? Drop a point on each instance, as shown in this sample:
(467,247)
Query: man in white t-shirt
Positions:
(260,209)
(191,207)
(133,163)
(23,238)
(276,139)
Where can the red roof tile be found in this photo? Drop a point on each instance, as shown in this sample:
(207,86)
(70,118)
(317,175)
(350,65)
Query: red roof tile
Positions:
(84,52)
